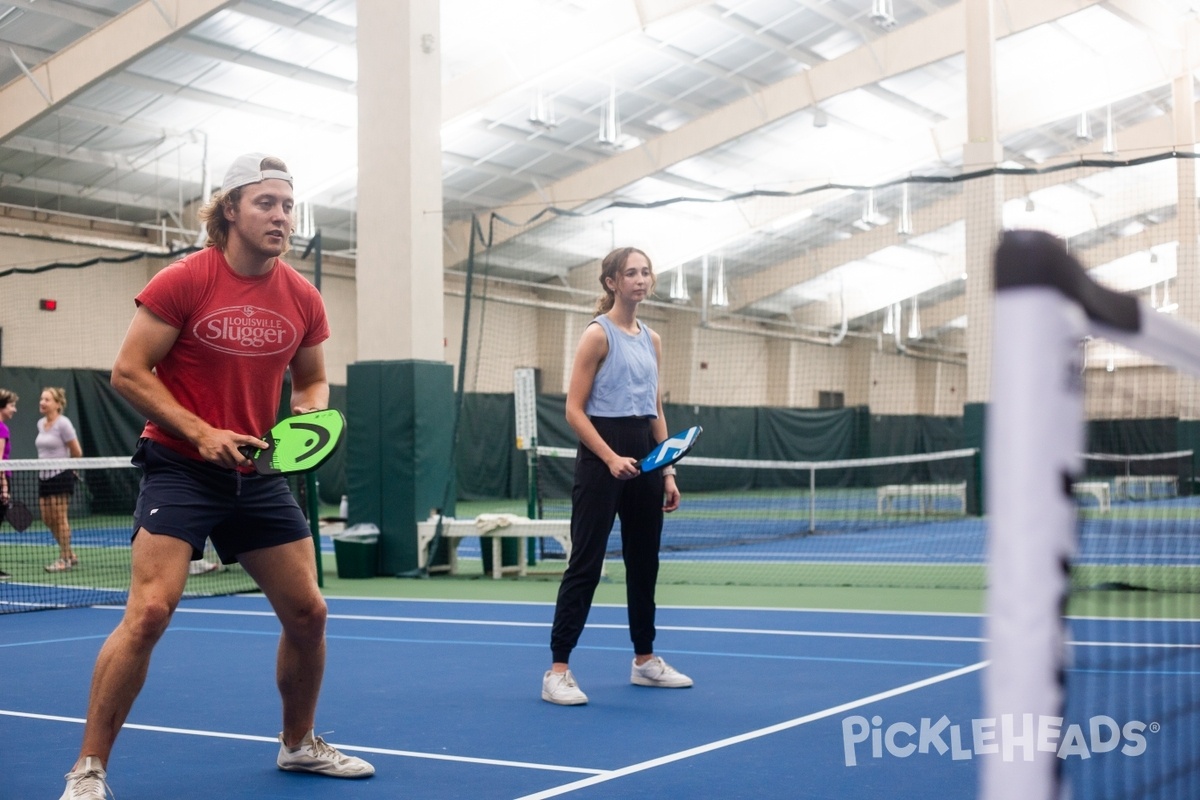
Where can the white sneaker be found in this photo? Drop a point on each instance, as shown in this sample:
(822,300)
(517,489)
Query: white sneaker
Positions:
(314,754)
(560,688)
(87,782)
(657,672)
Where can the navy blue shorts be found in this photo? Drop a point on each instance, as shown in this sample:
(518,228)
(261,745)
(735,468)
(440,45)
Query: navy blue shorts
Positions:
(195,500)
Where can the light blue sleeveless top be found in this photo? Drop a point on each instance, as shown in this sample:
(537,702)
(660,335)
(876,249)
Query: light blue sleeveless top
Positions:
(626,384)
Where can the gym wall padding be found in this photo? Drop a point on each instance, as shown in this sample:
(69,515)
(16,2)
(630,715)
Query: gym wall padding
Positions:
(399,448)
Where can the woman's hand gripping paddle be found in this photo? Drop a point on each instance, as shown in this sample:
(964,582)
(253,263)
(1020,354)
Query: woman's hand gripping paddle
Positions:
(298,444)
(671,449)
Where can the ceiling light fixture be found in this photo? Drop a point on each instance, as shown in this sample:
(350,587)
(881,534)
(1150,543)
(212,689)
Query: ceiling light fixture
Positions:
(870,215)
(1083,128)
(883,14)
(914,321)
(304,225)
(610,123)
(720,293)
(1110,139)
(904,226)
(679,287)
(1167,306)
(541,111)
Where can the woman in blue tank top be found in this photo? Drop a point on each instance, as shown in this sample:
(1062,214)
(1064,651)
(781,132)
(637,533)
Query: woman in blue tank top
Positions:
(615,407)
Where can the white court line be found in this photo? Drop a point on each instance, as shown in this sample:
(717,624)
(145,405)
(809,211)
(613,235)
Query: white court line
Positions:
(550,604)
(354,748)
(607,626)
(761,732)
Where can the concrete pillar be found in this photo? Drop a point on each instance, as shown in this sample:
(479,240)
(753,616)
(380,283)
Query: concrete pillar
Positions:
(399,272)
(399,390)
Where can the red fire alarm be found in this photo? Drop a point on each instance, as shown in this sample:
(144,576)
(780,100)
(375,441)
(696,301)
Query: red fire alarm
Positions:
(48,305)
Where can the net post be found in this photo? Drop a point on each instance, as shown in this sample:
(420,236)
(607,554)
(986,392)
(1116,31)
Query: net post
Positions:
(314,522)
(812,499)
(531,467)
(1034,435)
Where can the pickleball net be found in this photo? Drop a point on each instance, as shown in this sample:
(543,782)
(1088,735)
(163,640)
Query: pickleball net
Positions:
(100,513)
(1093,687)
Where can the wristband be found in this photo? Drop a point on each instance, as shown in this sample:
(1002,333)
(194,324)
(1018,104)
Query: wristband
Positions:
(668,472)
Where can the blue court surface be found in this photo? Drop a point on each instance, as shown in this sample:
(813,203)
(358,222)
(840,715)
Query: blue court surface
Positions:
(444,698)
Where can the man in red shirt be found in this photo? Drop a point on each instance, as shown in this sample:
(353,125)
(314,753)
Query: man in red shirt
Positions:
(204,360)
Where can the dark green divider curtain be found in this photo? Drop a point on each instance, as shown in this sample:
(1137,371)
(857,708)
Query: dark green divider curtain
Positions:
(906,434)
(1145,436)
(1132,436)
(489,466)
(487,460)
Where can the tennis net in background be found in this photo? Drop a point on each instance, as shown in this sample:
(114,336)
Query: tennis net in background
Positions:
(895,521)
(101,518)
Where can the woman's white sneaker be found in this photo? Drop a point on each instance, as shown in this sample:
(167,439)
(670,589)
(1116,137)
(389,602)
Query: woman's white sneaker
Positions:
(560,688)
(657,672)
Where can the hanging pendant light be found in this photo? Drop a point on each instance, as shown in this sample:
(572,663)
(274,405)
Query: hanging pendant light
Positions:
(610,123)
(904,226)
(868,214)
(1083,128)
(720,294)
(541,111)
(1110,140)
(679,287)
(914,321)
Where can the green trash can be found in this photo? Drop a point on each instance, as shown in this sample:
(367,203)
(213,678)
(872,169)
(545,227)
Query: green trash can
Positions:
(356,551)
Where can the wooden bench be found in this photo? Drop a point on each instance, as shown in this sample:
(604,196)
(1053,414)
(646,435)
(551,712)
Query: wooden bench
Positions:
(1142,487)
(1098,489)
(923,493)
(520,528)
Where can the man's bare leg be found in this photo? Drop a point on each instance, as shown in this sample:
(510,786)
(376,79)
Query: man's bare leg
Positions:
(288,577)
(159,575)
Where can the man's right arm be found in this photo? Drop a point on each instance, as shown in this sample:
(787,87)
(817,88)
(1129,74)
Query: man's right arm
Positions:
(146,343)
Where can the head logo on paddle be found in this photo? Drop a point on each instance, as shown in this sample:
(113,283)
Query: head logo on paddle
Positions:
(670,450)
(300,443)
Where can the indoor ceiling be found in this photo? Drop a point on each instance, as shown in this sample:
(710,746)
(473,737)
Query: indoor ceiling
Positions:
(581,104)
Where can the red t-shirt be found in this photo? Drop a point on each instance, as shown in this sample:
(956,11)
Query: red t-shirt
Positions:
(237,336)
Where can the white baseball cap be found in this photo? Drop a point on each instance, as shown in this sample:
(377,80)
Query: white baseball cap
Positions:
(247,169)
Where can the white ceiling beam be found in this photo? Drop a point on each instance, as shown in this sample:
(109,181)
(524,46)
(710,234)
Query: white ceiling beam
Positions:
(604,23)
(157,86)
(223,52)
(1136,71)
(65,189)
(83,17)
(941,314)
(918,44)
(1156,19)
(1144,139)
(102,52)
(158,166)
(27,55)
(296,19)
